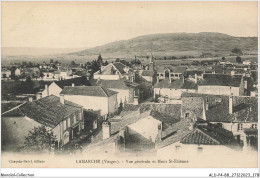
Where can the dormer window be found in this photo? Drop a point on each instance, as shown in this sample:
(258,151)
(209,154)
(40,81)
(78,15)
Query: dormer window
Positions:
(254,126)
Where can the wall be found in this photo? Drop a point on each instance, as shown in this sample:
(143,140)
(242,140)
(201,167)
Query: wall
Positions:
(191,150)
(14,130)
(148,78)
(219,90)
(112,104)
(149,131)
(122,95)
(172,93)
(90,102)
(107,77)
(108,148)
(233,127)
(54,89)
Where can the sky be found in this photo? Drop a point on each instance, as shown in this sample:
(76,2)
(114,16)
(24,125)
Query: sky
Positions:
(89,24)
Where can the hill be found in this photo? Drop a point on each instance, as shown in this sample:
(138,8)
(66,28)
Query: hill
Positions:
(34,51)
(209,42)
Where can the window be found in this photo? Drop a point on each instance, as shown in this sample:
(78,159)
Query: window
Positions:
(187,114)
(80,115)
(158,74)
(254,126)
(162,75)
(68,120)
(200,149)
(64,125)
(48,75)
(172,75)
(240,127)
(176,75)
(74,118)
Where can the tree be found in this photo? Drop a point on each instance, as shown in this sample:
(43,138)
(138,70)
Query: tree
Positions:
(239,59)
(41,75)
(72,63)
(236,51)
(99,59)
(28,85)
(39,139)
(106,63)
(223,58)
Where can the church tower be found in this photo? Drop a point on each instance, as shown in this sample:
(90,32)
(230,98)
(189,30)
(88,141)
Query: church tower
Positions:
(151,65)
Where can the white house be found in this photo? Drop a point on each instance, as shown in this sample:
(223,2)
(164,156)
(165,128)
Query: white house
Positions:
(56,86)
(5,74)
(63,117)
(168,89)
(92,97)
(115,71)
(222,84)
(168,71)
(128,92)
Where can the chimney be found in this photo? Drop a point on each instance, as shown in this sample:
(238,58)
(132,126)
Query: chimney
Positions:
(159,135)
(47,89)
(207,106)
(38,95)
(30,99)
(62,98)
(196,78)
(245,84)
(98,80)
(157,81)
(73,85)
(232,73)
(106,129)
(170,79)
(230,106)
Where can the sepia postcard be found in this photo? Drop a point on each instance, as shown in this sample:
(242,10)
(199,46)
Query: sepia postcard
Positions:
(129,84)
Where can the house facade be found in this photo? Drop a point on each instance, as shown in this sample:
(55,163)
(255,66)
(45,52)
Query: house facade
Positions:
(56,87)
(115,71)
(63,117)
(92,97)
(168,90)
(222,84)
(5,74)
(168,71)
(127,92)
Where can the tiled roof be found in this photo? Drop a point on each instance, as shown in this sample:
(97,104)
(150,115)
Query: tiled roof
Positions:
(221,80)
(174,133)
(174,110)
(174,69)
(47,111)
(245,109)
(148,73)
(116,84)
(120,67)
(210,134)
(77,81)
(165,118)
(88,91)
(193,106)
